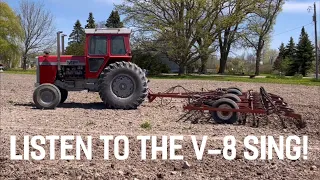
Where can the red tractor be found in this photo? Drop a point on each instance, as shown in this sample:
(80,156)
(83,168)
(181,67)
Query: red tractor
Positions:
(105,68)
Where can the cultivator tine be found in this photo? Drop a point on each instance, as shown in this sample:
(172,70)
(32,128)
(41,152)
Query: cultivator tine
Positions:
(186,116)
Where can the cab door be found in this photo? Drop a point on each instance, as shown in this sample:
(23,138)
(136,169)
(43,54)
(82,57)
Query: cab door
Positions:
(97,55)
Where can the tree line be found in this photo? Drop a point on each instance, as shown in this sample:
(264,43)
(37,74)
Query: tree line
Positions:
(188,31)
(295,59)
(76,39)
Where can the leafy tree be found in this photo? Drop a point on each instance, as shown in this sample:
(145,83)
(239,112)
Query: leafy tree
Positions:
(10,34)
(175,25)
(38,26)
(234,14)
(114,20)
(277,65)
(76,40)
(149,60)
(304,55)
(76,49)
(90,21)
(260,25)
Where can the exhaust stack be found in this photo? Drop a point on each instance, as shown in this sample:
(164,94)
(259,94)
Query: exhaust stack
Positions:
(62,46)
(58,50)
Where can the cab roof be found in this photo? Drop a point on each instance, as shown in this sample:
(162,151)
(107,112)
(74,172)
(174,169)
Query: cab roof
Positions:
(108,31)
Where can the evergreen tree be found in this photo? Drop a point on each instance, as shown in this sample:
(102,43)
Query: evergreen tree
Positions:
(304,55)
(90,21)
(76,40)
(279,60)
(77,35)
(290,49)
(290,55)
(114,20)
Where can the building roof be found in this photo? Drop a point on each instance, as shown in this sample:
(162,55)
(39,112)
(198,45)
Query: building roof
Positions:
(108,31)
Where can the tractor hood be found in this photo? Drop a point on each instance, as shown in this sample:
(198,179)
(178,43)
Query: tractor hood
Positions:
(51,60)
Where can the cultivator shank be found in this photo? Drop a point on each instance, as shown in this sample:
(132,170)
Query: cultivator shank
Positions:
(229,105)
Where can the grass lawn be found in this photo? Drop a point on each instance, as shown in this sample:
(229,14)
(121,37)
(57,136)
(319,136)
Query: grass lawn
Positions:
(287,80)
(20,71)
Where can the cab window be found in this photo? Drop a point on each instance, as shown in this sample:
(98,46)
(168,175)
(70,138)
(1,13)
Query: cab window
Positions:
(117,45)
(98,45)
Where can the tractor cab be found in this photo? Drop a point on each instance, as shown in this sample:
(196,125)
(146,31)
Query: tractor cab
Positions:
(105,46)
(105,68)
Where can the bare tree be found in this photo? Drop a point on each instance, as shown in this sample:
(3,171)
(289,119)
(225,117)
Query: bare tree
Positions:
(38,27)
(260,25)
(100,24)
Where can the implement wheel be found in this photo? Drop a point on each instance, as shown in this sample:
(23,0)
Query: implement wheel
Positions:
(123,85)
(225,117)
(46,96)
(234,91)
(233,97)
(233,87)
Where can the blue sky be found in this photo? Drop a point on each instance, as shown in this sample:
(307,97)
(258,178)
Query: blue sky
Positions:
(293,16)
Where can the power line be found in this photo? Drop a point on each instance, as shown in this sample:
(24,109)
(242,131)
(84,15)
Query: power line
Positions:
(294,29)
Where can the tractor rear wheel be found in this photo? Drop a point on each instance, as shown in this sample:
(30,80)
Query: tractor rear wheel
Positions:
(46,96)
(123,85)
(64,95)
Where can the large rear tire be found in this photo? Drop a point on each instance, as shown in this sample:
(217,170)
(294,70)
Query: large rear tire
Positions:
(46,96)
(123,85)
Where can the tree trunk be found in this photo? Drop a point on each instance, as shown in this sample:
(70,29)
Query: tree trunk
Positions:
(223,62)
(258,60)
(204,60)
(182,69)
(24,63)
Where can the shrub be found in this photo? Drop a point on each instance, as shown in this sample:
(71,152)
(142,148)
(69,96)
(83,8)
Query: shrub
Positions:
(149,61)
(297,76)
(276,76)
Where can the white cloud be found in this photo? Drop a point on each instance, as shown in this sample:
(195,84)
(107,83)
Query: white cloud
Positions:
(297,7)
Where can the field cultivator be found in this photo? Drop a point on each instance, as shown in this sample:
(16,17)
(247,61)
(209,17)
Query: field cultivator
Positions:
(230,105)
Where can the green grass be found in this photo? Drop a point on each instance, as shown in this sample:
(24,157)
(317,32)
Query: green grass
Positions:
(20,71)
(282,80)
(146,125)
(269,79)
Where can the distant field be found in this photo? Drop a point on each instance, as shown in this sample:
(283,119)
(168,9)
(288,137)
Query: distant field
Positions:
(268,79)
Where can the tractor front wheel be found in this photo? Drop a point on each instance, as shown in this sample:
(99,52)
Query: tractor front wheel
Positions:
(123,85)
(46,96)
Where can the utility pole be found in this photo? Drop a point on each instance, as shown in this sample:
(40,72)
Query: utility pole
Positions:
(316,39)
